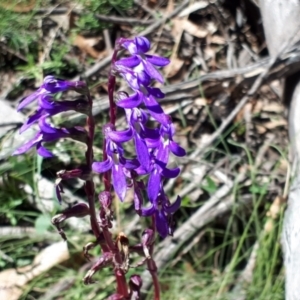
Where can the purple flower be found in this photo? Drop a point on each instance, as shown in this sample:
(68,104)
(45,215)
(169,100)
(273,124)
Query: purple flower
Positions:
(48,133)
(163,210)
(147,96)
(115,160)
(158,173)
(48,107)
(51,85)
(148,63)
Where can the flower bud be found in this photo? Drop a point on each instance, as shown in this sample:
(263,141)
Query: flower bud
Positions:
(105,260)
(135,284)
(53,85)
(82,172)
(148,237)
(79,210)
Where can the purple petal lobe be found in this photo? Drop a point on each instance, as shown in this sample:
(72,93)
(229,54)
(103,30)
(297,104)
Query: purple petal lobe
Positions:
(142,151)
(43,151)
(131,102)
(31,98)
(163,153)
(148,211)
(173,207)
(152,72)
(176,149)
(46,102)
(32,119)
(157,60)
(170,173)
(45,127)
(153,187)
(129,62)
(142,44)
(161,224)
(130,164)
(120,136)
(119,181)
(155,110)
(157,93)
(103,166)
(132,80)
(28,145)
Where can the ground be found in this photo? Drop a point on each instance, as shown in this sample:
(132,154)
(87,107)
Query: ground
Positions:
(234,178)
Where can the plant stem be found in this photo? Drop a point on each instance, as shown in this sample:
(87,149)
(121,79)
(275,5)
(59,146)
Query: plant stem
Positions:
(152,268)
(122,287)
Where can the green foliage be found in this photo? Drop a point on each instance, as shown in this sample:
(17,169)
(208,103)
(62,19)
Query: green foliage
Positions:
(17,30)
(88,22)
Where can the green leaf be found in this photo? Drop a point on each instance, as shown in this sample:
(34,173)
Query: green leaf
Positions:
(42,223)
(209,185)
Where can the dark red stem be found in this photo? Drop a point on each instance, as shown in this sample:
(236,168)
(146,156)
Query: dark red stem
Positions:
(152,267)
(122,287)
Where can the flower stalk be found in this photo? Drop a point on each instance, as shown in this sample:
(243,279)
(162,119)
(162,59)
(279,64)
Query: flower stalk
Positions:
(144,171)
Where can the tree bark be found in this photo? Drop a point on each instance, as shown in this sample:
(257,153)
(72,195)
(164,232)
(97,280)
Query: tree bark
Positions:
(281,21)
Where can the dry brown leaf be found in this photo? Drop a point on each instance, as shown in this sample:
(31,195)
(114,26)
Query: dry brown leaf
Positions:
(86,45)
(194,29)
(273,107)
(217,39)
(275,123)
(174,67)
(274,212)
(13,280)
(18,7)
(62,20)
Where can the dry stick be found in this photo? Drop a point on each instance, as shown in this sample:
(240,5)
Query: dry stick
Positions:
(205,214)
(190,227)
(256,85)
(122,20)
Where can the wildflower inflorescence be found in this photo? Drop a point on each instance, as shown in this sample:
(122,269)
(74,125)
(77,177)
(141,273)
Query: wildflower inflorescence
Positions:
(144,172)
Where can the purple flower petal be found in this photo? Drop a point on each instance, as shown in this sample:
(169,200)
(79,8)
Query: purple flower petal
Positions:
(43,151)
(132,80)
(152,72)
(31,98)
(155,110)
(162,225)
(119,181)
(170,173)
(102,166)
(176,149)
(143,78)
(130,164)
(129,62)
(163,153)
(142,151)
(157,60)
(46,101)
(142,44)
(31,143)
(173,207)
(53,85)
(148,211)
(153,187)
(45,127)
(131,102)
(156,92)
(120,136)
(32,119)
